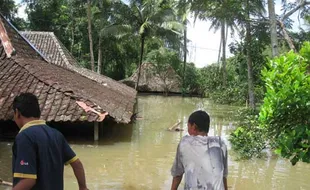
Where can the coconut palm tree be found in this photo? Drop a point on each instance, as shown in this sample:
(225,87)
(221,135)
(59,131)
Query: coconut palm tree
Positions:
(144,18)
(90,35)
(223,16)
(254,8)
(183,8)
(230,14)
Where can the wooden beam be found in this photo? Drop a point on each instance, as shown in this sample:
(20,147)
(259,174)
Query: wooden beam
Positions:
(101,129)
(96,131)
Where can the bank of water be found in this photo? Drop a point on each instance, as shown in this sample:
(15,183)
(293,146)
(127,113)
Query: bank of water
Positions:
(139,156)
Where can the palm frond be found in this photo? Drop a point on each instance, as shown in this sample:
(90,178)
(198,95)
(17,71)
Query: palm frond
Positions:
(215,25)
(117,30)
(143,27)
(173,26)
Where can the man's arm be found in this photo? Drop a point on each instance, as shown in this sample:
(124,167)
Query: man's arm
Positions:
(225,163)
(176,182)
(225,183)
(25,163)
(79,173)
(25,184)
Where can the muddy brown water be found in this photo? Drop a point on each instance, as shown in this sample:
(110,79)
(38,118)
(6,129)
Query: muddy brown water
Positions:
(139,156)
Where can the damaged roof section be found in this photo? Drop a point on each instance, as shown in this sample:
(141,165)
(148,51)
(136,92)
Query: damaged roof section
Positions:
(64,92)
(56,53)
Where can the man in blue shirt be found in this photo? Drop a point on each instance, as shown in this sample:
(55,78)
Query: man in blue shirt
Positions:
(40,152)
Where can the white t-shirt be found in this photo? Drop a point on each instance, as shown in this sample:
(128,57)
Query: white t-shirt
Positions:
(203,159)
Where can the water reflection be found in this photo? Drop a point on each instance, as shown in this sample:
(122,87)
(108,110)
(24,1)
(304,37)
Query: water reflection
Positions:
(139,156)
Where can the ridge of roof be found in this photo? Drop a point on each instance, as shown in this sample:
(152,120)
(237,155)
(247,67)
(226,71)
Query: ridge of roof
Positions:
(71,63)
(29,61)
(15,29)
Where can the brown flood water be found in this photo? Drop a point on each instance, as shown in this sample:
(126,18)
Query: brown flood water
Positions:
(140,156)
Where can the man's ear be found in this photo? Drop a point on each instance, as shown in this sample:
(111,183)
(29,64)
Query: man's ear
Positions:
(195,127)
(17,113)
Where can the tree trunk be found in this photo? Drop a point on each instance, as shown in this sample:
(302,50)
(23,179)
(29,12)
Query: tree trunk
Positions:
(140,62)
(224,53)
(99,57)
(249,61)
(287,37)
(185,55)
(92,59)
(72,40)
(220,51)
(273,28)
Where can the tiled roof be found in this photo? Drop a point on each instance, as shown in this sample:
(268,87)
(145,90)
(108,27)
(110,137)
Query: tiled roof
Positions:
(55,52)
(58,88)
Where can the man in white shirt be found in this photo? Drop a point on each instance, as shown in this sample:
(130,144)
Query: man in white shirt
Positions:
(203,159)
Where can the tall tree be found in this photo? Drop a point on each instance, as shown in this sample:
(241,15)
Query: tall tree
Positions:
(183,12)
(8,9)
(290,9)
(223,14)
(250,8)
(223,40)
(249,57)
(145,18)
(273,28)
(90,37)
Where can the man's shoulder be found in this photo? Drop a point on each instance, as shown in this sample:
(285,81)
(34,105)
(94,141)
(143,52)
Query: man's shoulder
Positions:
(39,130)
(186,139)
(203,140)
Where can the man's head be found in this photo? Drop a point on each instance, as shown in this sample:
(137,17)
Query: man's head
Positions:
(26,107)
(198,122)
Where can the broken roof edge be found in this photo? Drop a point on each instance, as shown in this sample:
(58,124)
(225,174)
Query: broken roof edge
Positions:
(72,96)
(69,93)
(15,29)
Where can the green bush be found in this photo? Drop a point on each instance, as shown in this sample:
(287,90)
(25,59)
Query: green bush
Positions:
(285,113)
(248,140)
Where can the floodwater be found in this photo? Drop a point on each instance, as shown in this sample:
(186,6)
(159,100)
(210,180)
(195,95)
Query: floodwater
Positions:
(139,156)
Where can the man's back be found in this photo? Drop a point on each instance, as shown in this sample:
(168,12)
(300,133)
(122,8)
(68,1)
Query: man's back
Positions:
(203,159)
(40,152)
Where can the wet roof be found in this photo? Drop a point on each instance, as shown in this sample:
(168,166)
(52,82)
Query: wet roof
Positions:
(65,91)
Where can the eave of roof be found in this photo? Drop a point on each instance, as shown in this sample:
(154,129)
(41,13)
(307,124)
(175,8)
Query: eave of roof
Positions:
(52,79)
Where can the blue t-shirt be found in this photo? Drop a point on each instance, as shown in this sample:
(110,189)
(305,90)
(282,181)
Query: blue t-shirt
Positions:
(40,152)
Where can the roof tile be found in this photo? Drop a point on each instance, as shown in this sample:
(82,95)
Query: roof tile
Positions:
(58,88)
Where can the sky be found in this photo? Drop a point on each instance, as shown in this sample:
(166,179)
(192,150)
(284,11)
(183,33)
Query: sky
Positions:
(204,43)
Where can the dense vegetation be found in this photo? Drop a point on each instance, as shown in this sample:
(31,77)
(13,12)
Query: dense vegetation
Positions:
(283,123)
(114,37)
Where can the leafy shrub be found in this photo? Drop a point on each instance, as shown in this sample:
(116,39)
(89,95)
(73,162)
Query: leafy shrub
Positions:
(286,108)
(248,139)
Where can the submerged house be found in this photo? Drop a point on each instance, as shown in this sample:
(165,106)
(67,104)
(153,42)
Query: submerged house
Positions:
(66,92)
(165,82)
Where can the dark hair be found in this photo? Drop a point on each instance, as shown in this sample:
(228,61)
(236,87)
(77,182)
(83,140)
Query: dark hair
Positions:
(201,119)
(27,104)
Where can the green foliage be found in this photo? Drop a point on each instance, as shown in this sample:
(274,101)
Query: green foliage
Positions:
(165,62)
(193,82)
(233,93)
(164,58)
(115,23)
(286,109)
(248,139)
(8,8)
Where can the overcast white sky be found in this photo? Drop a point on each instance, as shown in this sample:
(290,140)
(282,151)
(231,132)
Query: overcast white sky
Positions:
(204,45)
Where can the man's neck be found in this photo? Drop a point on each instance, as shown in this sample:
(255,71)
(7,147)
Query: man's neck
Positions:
(202,134)
(27,120)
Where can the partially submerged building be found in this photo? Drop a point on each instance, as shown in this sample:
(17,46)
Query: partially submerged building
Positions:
(66,92)
(150,81)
